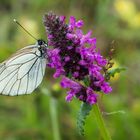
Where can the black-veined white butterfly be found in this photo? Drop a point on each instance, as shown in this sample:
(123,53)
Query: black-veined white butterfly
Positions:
(23,72)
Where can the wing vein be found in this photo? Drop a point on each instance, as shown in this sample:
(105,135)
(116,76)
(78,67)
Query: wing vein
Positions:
(18,86)
(11,87)
(21,63)
(8,74)
(27,83)
(7,84)
(37,74)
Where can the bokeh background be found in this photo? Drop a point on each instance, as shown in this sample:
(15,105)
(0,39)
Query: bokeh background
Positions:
(31,117)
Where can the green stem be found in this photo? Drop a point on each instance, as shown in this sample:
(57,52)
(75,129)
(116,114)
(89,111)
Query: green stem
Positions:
(53,112)
(100,122)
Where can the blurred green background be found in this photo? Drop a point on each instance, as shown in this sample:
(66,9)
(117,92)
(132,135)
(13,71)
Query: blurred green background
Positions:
(30,117)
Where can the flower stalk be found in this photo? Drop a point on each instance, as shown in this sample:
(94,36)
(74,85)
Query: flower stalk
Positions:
(100,122)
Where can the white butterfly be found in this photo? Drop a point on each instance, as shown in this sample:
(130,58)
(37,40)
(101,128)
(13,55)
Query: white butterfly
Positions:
(24,71)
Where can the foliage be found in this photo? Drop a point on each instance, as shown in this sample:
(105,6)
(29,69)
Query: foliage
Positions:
(113,71)
(83,113)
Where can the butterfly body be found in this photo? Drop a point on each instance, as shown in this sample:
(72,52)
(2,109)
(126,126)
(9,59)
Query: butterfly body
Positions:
(24,71)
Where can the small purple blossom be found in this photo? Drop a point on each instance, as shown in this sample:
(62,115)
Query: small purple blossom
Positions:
(105,87)
(72,85)
(91,96)
(78,90)
(74,56)
(73,24)
(55,62)
(68,83)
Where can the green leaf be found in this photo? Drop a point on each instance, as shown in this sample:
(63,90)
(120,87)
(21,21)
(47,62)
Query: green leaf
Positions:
(69,75)
(112,72)
(86,81)
(82,115)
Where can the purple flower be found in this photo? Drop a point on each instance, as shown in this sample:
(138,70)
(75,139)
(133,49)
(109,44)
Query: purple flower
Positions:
(79,24)
(73,24)
(68,83)
(74,56)
(91,96)
(85,94)
(99,59)
(55,62)
(105,87)
(73,86)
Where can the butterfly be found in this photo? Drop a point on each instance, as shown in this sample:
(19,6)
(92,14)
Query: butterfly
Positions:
(23,72)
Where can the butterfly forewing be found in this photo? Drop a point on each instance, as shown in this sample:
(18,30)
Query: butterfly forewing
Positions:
(23,72)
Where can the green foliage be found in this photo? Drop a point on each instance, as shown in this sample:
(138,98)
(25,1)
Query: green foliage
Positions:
(112,72)
(86,81)
(82,115)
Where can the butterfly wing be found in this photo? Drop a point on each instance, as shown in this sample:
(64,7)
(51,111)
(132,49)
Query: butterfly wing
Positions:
(23,72)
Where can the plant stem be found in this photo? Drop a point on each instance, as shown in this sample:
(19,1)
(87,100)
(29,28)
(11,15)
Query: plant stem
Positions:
(100,122)
(53,112)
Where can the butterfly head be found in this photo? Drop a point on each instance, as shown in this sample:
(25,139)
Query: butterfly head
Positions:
(42,47)
(41,42)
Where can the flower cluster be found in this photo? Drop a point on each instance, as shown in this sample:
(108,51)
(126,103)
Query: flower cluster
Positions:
(74,56)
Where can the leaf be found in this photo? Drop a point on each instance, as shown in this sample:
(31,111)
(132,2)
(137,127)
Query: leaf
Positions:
(86,81)
(82,115)
(112,72)
(69,75)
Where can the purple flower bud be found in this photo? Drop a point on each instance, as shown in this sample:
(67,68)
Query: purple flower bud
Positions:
(94,70)
(62,18)
(72,21)
(79,24)
(100,60)
(85,38)
(67,58)
(69,47)
(92,42)
(79,33)
(75,74)
(68,83)
(70,36)
(58,73)
(83,62)
(69,97)
(92,97)
(106,88)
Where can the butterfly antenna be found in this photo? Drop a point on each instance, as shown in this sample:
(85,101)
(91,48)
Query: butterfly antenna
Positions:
(24,29)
